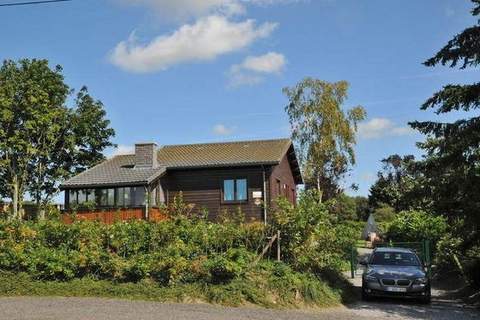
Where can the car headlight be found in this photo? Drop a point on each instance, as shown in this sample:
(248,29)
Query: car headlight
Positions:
(371,278)
(421,280)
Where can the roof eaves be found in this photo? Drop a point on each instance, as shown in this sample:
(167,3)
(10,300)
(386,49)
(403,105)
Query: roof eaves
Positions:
(97,185)
(221,165)
(156,175)
(88,170)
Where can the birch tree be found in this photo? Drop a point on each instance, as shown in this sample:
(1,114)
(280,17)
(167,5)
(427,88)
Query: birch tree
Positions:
(324,134)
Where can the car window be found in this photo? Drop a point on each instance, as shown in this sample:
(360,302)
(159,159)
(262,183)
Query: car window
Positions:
(395,259)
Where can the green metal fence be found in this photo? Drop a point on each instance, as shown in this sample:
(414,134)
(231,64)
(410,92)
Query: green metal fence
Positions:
(422,249)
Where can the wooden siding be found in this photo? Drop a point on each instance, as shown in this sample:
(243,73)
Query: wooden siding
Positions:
(203,188)
(282,182)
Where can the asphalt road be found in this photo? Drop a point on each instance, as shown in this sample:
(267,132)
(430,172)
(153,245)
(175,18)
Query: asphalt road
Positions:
(35,308)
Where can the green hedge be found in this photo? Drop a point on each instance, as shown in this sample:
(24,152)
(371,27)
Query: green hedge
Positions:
(175,250)
(175,260)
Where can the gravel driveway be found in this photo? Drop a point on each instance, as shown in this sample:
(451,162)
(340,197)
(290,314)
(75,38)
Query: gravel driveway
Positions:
(23,308)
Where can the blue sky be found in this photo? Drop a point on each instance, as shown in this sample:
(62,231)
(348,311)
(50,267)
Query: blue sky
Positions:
(186,71)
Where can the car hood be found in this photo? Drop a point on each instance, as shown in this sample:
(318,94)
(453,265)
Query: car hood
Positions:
(395,272)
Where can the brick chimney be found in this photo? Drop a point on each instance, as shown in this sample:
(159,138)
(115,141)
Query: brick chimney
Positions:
(146,155)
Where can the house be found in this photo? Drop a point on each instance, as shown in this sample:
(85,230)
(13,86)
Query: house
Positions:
(211,176)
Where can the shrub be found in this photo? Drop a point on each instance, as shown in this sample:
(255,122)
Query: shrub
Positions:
(204,259)
(311,238)
(223,268)
(384,213)
(170,251)
(412,226)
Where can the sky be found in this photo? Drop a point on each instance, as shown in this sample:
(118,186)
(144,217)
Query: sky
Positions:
(191,71)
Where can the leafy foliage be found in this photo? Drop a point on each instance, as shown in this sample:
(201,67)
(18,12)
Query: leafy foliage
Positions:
(42,141)
(176,259)
(384,213)
(312,240)
(346,208)
(323,132)
(415,226)
(169,251)
(400,185)
(450,167)
(451,164)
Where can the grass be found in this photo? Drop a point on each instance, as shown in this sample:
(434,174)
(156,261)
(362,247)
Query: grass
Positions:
(254,289)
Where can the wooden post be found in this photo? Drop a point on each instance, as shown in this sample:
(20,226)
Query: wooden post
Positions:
(267,247)
(353,264)
(278,246)
(147,203)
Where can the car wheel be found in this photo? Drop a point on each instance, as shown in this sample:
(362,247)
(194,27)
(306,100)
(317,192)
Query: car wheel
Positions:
(428,296)
(365,295)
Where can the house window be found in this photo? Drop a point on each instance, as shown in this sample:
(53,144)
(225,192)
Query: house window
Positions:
(228,190)
(106,197)
(123,197)
(235,190)
(82,196)
(279,188)
(72,197)
(90,195)
(241,189)
(138,196)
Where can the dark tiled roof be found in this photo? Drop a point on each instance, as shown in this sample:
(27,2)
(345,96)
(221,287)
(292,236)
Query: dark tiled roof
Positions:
(119,169)
(115,171)
(223,153)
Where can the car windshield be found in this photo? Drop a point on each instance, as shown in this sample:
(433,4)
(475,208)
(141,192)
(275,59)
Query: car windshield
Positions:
(395,259)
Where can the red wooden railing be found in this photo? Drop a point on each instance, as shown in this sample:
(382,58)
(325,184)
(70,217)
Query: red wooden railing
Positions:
(112,215)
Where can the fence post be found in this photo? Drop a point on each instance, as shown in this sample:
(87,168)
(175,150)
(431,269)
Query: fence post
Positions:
(352,262)
(427,257)
(278,246)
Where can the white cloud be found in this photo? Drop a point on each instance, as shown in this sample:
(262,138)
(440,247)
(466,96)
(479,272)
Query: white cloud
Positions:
(252,70)
(382,127)
(121,149)
(271,62)
(183,9)
(222,130)
(206,39)
(238,79)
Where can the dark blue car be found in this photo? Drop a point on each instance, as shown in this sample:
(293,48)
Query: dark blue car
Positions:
(395,272)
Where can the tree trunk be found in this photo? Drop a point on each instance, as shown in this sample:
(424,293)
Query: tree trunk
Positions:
(15,197)
(41,213)
(319,189)
(38,194)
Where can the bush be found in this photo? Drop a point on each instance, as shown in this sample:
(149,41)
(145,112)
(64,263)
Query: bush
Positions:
(223,268)
(311,237)
(126,251)
(415,226)
(153,260)
(384,214)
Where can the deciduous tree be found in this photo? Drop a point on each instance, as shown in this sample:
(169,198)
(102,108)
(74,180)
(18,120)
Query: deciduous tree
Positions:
(42,140)
(323,132)
(400,184)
